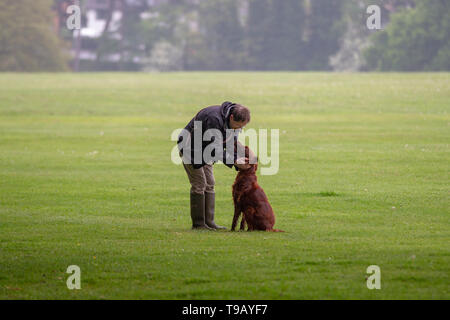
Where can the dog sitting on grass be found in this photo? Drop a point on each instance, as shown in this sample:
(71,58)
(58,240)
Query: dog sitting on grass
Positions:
(249,198)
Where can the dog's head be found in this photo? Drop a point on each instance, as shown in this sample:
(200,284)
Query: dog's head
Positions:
(251,159)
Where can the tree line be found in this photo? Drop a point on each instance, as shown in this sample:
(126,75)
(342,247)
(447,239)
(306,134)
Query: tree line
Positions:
(292,35)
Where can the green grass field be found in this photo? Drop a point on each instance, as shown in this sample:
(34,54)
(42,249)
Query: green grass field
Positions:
(86,179)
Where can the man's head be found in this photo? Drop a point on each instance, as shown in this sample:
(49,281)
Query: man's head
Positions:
(239,117)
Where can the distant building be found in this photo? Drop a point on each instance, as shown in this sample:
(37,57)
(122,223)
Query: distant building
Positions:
(97,12)
(97,15)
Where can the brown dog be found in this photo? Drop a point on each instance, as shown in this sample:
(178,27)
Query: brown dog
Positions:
(250,199)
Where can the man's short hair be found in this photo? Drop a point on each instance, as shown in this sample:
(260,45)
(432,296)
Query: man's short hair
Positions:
(240,113)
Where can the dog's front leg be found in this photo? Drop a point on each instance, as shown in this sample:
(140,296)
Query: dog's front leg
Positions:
(237,213)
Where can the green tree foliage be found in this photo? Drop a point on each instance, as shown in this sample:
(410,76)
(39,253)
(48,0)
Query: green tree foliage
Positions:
(274,34)
(247,34)
(416,39)
(167,29)
(222,33)
(353,38)
(325,30)
(28,41)
(292,34)
(284,35)
(255,39)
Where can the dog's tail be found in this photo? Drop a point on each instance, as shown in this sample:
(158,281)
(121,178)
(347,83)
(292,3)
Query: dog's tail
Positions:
(277,230)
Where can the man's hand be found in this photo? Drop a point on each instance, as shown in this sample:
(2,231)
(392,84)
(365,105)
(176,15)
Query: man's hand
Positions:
(242,163)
